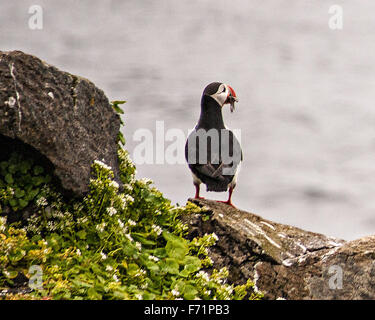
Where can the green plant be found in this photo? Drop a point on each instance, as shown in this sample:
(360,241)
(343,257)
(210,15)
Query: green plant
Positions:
(115,243)
(21,181)
(116,106)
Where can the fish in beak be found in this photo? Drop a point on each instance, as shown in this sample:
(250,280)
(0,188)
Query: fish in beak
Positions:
(232,98)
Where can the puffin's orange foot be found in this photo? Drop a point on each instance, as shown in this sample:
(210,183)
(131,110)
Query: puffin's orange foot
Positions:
(197,192)
(197,197)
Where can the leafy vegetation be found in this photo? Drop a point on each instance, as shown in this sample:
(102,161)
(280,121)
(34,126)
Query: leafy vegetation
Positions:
(119,242)
(116,106)
(20,181)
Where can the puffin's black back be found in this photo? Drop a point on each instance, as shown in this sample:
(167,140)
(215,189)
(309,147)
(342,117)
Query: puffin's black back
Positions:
(211,171)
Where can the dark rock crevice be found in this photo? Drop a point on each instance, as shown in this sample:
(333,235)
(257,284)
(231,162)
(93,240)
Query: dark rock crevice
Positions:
(9,146)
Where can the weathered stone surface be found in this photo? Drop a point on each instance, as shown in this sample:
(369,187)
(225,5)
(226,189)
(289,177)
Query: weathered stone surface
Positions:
(285,261)
(64,117)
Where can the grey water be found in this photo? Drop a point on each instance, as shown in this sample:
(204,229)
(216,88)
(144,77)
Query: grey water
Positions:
(306,92)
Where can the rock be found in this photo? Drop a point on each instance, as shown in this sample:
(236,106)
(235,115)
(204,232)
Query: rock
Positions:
(285,261)
(65,118)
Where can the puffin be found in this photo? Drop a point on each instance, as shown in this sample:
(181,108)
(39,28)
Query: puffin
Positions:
(212,151)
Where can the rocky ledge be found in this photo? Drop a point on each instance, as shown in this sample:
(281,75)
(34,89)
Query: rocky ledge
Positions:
(285,261)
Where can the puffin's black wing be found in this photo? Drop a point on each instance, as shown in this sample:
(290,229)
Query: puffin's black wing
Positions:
(214,162)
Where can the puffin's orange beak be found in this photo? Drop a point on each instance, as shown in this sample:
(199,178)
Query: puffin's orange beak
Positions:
(232,98)
(232,91)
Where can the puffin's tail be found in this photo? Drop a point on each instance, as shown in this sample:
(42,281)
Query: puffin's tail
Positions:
(217,187)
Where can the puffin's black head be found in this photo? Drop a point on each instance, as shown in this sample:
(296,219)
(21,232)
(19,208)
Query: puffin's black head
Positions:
(222,93)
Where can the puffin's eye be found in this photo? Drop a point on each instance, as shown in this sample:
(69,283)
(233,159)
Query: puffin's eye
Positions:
(224,89)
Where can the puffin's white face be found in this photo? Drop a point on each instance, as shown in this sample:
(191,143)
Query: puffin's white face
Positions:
(221,94)
(225,94)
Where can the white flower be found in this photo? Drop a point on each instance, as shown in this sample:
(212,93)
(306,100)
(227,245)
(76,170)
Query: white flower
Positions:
(78,252)
(212,236)
(131,222)
(114,184)
(58,214)
(203,275)
(128,187)
(146,181)
(111,211)
(175,292)
(141,272)
(120,223)
(138,245)
(129,237)
(156,229)
(139,296)
(104,256)
(51,226)
(123,201)
(82,220)
(229,289)
(153,258)
(102,164)
(115,278)
(100,227)
(3,221)
(41,202)
(108,268)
